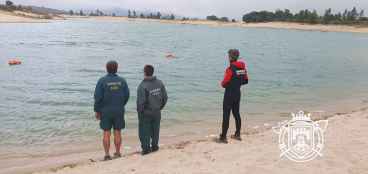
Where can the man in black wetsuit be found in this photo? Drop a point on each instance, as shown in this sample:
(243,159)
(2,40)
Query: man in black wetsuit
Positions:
(235,76)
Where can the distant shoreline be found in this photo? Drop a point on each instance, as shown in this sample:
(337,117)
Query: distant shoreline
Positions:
(273,25)
(8,17)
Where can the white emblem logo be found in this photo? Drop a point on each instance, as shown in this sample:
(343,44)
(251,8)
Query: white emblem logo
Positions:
(301,139)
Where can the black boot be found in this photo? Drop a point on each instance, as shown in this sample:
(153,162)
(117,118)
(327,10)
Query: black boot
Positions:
(154,148)
(222,139)
(145,152)
(236,137)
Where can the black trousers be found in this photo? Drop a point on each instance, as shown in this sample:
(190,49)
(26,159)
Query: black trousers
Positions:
(231,104)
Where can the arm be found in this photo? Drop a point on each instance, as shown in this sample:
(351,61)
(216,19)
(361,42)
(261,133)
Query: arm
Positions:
(141,99)
(126,93)
(164,96)
(246,79)
(227,78)
(98,96)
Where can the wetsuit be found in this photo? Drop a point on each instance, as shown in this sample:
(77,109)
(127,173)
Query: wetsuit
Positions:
(235,77)
(151,99)
(111,95)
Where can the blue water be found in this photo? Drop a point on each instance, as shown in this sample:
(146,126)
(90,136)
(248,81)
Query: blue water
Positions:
(48,99)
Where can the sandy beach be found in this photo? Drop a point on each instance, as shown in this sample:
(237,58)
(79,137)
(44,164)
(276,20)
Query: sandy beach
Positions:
(273,25)
(345,142)
(7,17)
(24,17)
(287,25)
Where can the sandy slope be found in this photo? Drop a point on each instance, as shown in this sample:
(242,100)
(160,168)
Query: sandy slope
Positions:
(346,152)
(7,17)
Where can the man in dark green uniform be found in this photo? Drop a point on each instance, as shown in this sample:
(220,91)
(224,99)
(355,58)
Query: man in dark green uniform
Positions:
(111,95)
(151,99)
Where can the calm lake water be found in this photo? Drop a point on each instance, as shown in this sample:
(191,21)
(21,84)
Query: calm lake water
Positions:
(48,100)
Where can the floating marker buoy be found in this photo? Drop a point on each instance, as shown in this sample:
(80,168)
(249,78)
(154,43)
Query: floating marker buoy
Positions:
(170,56)
(14,62)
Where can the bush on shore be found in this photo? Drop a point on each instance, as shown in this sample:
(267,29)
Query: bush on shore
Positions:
(349,17)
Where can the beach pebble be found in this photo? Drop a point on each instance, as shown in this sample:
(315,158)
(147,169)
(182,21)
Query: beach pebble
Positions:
(255,127)
(266,125)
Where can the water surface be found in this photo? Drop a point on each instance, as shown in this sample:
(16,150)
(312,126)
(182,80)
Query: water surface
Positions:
(48,99)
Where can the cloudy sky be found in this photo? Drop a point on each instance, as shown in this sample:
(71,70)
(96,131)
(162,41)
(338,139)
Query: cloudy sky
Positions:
(200,8)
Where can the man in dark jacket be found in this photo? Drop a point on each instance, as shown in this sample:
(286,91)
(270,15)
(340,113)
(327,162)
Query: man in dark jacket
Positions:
(151,99)
(111,95)
(235,76)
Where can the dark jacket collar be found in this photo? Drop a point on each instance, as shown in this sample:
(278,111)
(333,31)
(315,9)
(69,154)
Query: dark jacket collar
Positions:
(111,74)
(150,78)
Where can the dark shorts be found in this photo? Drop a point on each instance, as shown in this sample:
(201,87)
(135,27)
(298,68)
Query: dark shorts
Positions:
(116,122)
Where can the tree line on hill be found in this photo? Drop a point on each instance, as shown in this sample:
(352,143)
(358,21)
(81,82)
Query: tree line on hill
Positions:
(96,12)
(348,17)
(131,14)
(158,15)
(221,19)
(44,13)
(10,6)
(307,16)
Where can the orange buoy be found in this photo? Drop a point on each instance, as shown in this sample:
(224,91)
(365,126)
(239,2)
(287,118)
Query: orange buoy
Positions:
(170,56)
(14,62)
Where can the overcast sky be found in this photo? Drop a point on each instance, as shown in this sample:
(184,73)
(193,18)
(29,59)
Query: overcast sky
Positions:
(201,8)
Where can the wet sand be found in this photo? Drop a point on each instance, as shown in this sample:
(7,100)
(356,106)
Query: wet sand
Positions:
(346,142)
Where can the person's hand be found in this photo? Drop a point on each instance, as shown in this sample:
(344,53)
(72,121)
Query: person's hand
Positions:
(98,115)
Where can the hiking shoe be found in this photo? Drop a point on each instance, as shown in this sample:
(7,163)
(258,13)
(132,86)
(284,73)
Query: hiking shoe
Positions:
(154,148)
(145,152)
(107,158)
(117,155)
(236,137)
(222,140)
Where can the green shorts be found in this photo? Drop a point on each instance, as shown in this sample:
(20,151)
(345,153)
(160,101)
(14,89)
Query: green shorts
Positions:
(116,122)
